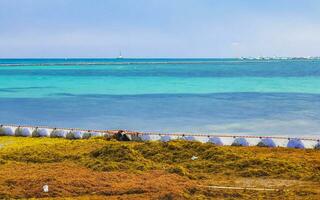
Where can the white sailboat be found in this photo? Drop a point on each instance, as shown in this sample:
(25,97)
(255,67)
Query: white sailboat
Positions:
(120,56)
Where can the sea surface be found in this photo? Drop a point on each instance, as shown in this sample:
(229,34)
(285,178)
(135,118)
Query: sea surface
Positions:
(218,96)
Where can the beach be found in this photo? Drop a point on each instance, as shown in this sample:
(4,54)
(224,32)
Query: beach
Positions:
(100,168)
(159,100)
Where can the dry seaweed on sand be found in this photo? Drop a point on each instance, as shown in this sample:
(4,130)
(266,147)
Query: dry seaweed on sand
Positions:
(105,168)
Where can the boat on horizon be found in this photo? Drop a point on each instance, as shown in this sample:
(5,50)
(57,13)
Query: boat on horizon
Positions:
(120,56)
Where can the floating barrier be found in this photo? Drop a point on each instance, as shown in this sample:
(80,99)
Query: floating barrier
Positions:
(216,141)
(266,142)
(150,137)
(74,135)
(18,131)
(240,142)
(41,132)
(189,138)
(122,135)
(195,138)
(24,131)
(167,138)
(295,143)
(9,130)
(59,133)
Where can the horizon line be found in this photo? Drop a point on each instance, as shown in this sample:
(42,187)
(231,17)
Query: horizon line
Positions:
(240,57)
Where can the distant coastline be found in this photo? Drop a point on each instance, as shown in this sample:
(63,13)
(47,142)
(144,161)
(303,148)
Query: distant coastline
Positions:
(128,61)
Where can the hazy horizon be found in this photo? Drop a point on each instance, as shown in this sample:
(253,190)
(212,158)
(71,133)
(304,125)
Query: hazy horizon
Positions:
(116,57)
(159,29)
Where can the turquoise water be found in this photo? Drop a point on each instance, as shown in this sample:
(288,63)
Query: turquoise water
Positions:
(229,96)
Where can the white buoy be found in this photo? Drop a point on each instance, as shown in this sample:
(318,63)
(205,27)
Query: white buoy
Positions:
(202,139)
(167,138)
(215,140)
(17,132)
(267,142)
(9,130)
(74,135)
(27,132)
(189,138)
(24,131)
(295,143)
(59,133)
(240,142)
(147,137)
(41,132)
(44,132)
(195,138)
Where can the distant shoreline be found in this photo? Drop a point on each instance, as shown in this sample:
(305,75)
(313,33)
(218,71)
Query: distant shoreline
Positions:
(127,61)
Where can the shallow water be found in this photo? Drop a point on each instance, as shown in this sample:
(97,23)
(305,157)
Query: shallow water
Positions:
(230,96)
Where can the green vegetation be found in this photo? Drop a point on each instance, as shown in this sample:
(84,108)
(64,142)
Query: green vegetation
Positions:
(213,163)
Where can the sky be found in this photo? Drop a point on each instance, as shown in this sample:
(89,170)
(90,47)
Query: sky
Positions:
(159,28)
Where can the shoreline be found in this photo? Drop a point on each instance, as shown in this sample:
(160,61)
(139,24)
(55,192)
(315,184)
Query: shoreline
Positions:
(125,135)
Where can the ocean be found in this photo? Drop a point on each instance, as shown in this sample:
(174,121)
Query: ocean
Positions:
(215,96)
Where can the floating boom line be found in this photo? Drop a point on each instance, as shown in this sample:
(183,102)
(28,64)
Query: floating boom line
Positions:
(125,135)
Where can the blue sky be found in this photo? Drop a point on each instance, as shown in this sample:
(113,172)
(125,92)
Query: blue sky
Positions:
(159,28)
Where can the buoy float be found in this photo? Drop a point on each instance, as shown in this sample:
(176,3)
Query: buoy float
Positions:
(27,131)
